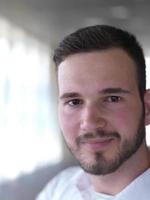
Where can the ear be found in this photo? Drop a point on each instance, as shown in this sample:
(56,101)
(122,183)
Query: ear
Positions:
(147,107)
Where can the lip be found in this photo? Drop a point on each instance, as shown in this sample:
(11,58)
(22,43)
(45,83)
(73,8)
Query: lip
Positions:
(97,144)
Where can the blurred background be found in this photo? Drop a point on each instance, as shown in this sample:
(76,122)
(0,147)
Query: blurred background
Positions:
(31,148)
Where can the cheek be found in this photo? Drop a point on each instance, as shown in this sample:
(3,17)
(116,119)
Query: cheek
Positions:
(126,121)
(69,125)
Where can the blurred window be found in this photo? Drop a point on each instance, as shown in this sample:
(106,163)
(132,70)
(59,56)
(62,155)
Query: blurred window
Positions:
(28,133)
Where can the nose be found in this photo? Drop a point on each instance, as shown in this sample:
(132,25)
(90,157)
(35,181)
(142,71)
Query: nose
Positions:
(92,118)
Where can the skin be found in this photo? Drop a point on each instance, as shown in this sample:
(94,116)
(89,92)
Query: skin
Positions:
(101,116)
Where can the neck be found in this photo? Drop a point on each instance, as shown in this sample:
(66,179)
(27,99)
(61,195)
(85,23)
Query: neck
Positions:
(115,182)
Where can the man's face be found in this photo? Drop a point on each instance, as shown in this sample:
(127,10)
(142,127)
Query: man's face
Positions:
(100,110)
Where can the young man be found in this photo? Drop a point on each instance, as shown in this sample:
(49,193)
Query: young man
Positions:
(103,110)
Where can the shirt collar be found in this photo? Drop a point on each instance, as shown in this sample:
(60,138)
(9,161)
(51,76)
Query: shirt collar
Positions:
(138,188)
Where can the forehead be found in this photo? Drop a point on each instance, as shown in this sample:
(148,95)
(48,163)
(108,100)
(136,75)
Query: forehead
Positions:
(111,67)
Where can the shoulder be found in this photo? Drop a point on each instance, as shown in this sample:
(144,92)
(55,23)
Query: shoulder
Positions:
(60,183)
(69,172)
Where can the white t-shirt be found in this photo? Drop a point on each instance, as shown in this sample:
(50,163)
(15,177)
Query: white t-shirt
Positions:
(99,196)
(73,184)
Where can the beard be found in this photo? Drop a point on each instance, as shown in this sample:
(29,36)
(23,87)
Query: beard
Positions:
(98,163)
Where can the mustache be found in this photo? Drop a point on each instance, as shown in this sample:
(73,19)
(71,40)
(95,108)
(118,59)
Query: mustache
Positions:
(98,134)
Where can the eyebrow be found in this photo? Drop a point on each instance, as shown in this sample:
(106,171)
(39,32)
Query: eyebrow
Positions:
(104,91)
(114,90)
(69,95)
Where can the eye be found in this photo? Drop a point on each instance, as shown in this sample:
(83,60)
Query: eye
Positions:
(113,99)
(74,102)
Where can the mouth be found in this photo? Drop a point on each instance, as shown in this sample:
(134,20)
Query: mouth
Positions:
(96,144)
